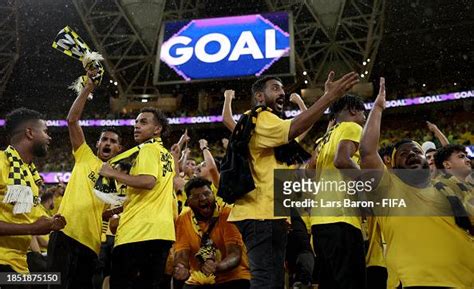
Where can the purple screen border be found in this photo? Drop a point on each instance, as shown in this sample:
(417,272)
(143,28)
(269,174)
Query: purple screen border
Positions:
(217,118)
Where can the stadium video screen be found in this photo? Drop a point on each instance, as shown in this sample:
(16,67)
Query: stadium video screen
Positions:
(225,47)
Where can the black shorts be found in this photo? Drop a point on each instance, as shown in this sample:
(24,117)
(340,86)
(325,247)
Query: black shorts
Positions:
(75,261)
(139,265)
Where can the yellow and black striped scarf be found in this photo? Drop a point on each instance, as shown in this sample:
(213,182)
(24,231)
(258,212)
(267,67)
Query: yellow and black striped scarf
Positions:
(70,43)
(106,189)
(207,250)
(461,198)
(19,190)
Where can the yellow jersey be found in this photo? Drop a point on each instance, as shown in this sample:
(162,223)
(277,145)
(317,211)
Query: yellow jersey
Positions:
(13,249)
(270,132)
(79,205)
(326,171)
(424,250)
(149,214)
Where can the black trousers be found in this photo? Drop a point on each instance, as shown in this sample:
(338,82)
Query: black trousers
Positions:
(75,261)
(299,254)
(139,265)
(266,243)
(340,250)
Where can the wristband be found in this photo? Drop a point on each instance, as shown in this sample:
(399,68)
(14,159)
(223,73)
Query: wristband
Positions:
(204,148)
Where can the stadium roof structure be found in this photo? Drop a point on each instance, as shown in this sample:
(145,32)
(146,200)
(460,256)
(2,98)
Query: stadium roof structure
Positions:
(410,42)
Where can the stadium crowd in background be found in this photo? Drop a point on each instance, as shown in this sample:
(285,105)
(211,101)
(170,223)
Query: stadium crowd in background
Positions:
(201,214)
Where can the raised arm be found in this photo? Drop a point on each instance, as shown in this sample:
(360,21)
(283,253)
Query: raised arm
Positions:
(370,158)
(178,181)
(210,163)
(184,139)
(438,133)
(175,152)
(333,91)
(76,135)
(296,99)
(227,118)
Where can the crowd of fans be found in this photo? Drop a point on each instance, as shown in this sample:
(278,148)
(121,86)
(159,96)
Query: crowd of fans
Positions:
(202,213)
(460,133)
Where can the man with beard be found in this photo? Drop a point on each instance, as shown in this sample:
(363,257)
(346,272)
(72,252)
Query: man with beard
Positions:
(73,251)
(209,250)
(264,235)
(20,216)
(146,228)
(426,248)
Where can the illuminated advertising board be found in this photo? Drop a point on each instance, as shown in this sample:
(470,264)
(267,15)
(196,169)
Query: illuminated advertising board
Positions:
(225,47)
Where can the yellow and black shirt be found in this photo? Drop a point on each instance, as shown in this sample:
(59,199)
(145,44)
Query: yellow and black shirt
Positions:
(149,214)
(79,205)
(13,249)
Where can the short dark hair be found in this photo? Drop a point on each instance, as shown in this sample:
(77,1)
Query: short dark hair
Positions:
(160,117)
(113,130)
(194,183)
(348,101)
(443,154)
(386,151)
(259,84)
(19,116)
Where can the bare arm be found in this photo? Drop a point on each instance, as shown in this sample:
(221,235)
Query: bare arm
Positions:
(76,135)
(34,246)
(209,159)
(42,242)
(343,159)
(107,214)
(296,99)
(175,152)
(184,158)
(144,182)
(183,140)
(178,181)
(181,265)
(227,118)
(370,158)
(333,91)
(232,260)
(438,133)
(42,226)
(11,229)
